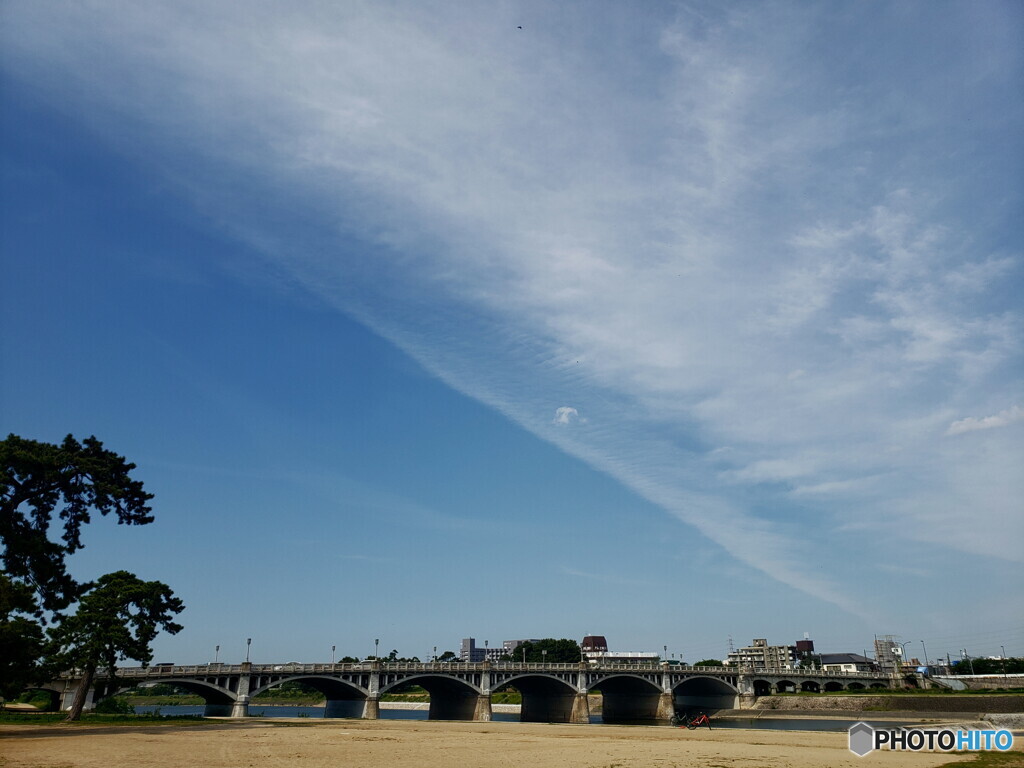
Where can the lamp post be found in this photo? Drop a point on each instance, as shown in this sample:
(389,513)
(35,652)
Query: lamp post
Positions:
(925,654)
(216,654)
(544,655)
(376,645)
(333,647)
(903,651)
(524,653)
(1001,648)
(248,643)
(486,643)
(435,653)
(664,656)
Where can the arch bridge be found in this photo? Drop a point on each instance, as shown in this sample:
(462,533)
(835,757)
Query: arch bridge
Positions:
(550,692)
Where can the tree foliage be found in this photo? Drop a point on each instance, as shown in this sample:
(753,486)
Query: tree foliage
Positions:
(708,663)
(986,666)
(22,644)
(73,480)
(116,620)
(562,651)
(50,490)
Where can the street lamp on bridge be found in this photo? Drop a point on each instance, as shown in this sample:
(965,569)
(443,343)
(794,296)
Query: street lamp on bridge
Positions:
(248,643)
(216,654)
(332,653)
(903,651)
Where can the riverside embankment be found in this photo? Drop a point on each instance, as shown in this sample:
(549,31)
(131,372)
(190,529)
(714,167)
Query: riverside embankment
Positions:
(960,706)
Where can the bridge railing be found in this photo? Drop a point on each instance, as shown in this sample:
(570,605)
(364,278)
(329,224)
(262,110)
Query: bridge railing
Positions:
(167,670)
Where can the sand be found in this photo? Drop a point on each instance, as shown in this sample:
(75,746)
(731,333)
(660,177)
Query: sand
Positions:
(385,743)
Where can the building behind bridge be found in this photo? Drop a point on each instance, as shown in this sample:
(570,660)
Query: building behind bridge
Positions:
(760,655)
(471,653)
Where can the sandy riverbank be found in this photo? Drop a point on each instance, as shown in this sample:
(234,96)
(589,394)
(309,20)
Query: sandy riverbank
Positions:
(425,744)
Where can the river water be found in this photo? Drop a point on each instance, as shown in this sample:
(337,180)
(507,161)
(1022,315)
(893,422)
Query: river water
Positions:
(773,724)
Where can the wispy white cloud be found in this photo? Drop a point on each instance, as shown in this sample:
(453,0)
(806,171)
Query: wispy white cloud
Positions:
(972,424)
(567,415)
(721,237)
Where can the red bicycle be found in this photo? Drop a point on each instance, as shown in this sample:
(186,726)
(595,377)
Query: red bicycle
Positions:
(692,723)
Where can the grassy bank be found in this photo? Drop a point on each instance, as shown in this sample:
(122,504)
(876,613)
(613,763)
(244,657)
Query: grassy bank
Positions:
(23,717)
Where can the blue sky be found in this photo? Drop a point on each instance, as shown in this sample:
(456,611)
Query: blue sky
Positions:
(669,322)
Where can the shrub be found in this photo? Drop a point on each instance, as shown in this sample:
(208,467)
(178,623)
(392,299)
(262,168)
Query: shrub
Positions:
(115,705)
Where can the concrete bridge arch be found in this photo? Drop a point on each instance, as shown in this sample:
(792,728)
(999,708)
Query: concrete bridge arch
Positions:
(451,698)
(218,700)
(343,697)
(630,698)
(546,698)
(53,695)
(331,687)
(705,693)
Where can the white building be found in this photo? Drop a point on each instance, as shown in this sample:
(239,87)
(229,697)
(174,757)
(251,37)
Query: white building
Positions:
(622,657)
(847,662)
(760,655)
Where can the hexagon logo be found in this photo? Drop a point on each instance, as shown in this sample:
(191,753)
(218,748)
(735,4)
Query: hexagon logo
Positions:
(862,739)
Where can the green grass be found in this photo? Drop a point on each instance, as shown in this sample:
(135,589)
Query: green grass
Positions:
(51,718)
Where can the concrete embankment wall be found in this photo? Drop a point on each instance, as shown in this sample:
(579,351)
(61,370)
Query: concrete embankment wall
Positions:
(425,706)
(882,703)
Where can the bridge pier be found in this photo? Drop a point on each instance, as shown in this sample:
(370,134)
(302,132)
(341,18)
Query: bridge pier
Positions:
(666,706)
(372,709)
(482,711)
(240,707)
(348,708)
(580,709)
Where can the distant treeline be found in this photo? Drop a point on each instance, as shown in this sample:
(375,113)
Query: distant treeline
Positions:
(1011,666)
